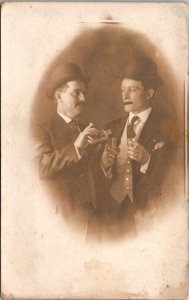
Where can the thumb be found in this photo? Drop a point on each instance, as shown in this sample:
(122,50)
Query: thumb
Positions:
(91,125)
(107,147)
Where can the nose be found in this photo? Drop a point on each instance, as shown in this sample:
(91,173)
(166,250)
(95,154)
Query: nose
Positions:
(126,94)
(81,97)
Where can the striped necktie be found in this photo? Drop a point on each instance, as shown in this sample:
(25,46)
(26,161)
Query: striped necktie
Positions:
(130,127)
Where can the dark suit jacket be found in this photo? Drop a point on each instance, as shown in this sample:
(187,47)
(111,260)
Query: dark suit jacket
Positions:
(70,179)
(156,131)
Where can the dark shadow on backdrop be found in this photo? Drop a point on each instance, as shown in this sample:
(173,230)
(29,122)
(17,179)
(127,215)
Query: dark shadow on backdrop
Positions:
(102,54)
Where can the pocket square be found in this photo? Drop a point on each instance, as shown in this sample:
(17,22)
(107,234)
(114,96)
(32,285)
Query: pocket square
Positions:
(158,146)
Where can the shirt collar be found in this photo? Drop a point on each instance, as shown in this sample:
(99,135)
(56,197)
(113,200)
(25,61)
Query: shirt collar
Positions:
(66,119)
(143,115)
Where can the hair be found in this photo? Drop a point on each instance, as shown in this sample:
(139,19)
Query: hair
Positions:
(147,85)
(61,88)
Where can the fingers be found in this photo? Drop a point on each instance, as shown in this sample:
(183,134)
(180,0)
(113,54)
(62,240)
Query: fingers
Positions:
(133,154)
(135,147)
(113,152)
(134,158)
(90,139)
(113,142)
(131,151)
(112,146)
(109,149)
(90,125)
(134,151)
(131,142)
(90,131)
(112,156)
(131,148)
(137,152)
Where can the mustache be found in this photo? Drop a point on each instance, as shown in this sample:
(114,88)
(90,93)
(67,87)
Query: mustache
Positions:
(81,104)
(127,102)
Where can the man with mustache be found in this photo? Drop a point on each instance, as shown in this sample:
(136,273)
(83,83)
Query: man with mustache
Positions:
(136,161)
(62,153)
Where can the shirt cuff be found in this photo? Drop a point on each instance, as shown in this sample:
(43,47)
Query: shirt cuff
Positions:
(79,156)
(107,174)
(144,168)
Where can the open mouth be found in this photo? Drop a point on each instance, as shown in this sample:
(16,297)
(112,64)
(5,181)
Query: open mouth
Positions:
(127,103)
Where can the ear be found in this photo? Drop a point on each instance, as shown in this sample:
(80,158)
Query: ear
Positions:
(57,96)
(149,94)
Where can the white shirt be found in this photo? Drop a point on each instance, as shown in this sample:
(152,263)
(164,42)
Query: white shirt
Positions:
(66,119)
(69,120)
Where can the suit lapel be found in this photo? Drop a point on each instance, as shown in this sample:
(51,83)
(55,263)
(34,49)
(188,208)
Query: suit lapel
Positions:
(149,132)
(117,128)
(63,132)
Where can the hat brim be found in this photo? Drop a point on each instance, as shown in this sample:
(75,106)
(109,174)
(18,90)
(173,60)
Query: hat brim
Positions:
(60,82)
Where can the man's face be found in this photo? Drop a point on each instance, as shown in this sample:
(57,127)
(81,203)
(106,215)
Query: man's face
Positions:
(71,99)
(135,97)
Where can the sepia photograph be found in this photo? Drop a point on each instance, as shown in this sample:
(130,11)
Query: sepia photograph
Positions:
(94,150)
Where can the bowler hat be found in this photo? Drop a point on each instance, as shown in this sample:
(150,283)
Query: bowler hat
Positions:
(143,69)
(64,73)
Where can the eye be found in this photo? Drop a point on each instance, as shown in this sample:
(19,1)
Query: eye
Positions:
(75,93)
(130,89)
(133,89)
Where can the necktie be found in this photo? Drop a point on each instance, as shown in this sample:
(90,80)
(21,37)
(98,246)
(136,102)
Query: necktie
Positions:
(130,128)
(75,126)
